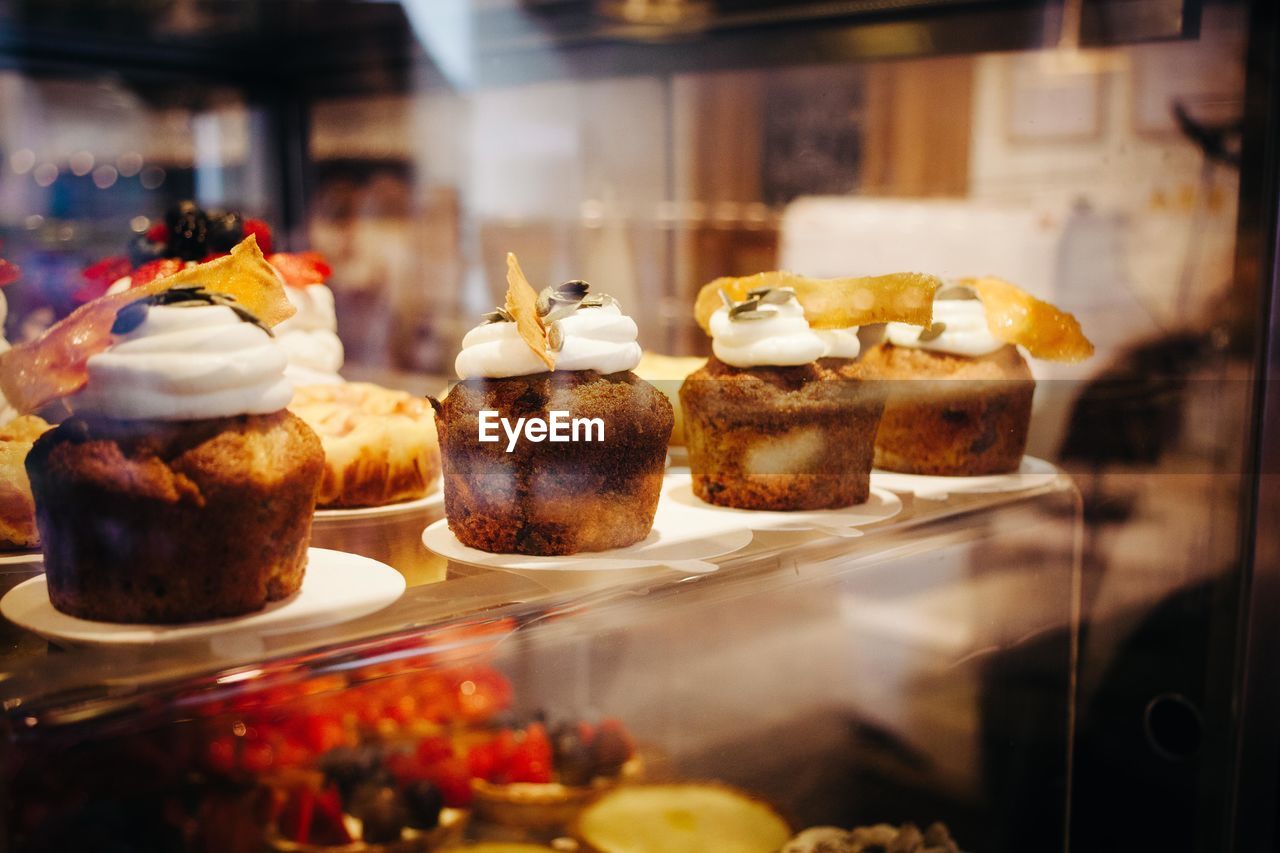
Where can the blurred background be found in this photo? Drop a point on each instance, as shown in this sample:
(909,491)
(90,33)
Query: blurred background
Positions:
(1087,150)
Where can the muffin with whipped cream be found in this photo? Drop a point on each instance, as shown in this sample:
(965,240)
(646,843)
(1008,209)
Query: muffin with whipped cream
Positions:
(181,488)
(550,444)
(780,418)
(961,392)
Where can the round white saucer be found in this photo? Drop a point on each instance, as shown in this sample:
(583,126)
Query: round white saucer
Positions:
(433,498)
(337,587)
(1032,473)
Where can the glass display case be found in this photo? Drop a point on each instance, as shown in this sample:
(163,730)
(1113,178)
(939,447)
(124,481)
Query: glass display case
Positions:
(1074,656)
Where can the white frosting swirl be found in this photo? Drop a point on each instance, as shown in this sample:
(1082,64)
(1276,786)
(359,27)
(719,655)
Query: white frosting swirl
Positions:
(186,363)
(601,339)
(7,412)
(966,331)
(783,339)
(310,337)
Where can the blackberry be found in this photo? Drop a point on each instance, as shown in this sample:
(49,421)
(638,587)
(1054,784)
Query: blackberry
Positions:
(226,229)
(188,231)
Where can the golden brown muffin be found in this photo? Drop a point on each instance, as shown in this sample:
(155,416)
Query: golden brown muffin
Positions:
(379,444)
(667,373)
(952,415)
(781,438)
(553,498)
(164,522)
(17,507)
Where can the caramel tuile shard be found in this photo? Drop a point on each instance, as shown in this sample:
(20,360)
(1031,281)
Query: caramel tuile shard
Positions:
(522,304)
(1016,317)
(835,303)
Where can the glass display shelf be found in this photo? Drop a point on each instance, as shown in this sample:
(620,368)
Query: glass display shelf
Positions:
(47,685)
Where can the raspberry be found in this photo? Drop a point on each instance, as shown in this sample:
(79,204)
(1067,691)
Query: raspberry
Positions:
(158,233)
(433,749)
(149,272)
(261,231)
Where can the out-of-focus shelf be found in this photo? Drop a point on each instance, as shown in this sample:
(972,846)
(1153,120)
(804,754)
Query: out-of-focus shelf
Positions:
(47,687)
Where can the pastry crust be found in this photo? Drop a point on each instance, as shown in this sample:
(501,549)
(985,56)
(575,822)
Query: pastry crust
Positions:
(380,444)
(17,507)
(952,415)
(555,498)
(165,522)
(781,438)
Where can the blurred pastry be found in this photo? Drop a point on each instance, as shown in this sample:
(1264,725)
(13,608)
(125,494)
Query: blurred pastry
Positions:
(690,816)
(180,489)
(17,506)
(514,481)
(960,390)
(873,839)
(780,417)
(667,373)
(379,444)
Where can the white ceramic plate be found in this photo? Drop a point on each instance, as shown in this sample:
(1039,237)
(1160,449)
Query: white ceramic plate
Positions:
(880,505)
(433,498)
(337,586)
(682,539)
(1031,474)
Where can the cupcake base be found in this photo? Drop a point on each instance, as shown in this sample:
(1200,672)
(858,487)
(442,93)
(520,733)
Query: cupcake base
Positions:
(781,438)
(952,415)
(170,522)
(554,498)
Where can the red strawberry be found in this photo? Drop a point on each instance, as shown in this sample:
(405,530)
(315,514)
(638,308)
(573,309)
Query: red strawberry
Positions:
(454,782)
(300,268)
(153,270)
(98,277)
(433,749)
(158,233)
(529,764)
(260,230)
(482,761)
(9,273)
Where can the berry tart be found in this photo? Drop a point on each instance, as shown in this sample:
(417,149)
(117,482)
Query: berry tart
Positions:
(562,350)
(960,398)
(153,500)
(780,417)
(190,234)
(531,779)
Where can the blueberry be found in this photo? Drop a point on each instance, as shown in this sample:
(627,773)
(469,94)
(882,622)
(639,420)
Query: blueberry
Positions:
(572,756)
(424,802)
(226,229)
(349,767)
(188,231)
(382,811)
(609,751)
(142,250)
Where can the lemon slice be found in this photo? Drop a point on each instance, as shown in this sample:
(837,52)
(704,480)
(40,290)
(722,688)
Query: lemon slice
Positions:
(1016,317)
(835,303)
(684,818)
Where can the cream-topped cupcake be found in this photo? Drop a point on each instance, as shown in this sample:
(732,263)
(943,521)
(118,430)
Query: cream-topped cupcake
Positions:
(181,489)
(960,399)
(562,357)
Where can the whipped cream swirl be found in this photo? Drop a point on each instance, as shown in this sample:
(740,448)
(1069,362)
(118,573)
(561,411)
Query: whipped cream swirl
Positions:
(186,363)
(781,338)
(7,412)
(310,337)
(964,331)
(601,338)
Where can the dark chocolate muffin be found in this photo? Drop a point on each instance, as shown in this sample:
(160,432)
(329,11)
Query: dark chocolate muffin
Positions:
(166,522)
(781,438)
(554,498)
(952,415)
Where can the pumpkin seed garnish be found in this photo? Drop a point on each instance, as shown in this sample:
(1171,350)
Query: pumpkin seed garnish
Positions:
(555,337)
(753,307)
(555,303)
(932,332)
(131,316)
(497,315)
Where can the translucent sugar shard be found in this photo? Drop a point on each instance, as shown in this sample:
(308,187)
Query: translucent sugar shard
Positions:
(836,303)
(53,366)
(1016,317)
(522,304)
